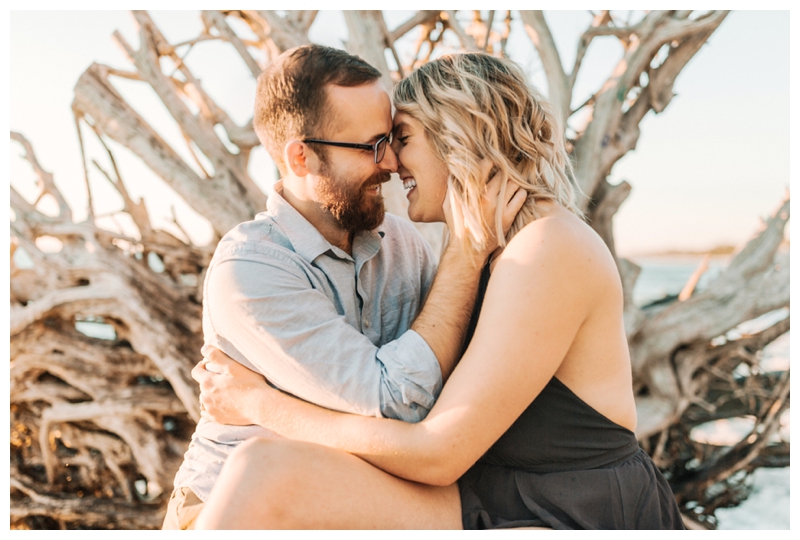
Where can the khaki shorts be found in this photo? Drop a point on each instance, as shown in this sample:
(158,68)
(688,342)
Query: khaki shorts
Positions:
(182,511)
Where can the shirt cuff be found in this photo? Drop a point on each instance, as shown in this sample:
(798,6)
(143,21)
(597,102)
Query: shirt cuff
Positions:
(413,375)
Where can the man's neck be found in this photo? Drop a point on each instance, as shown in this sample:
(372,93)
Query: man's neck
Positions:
(319,217)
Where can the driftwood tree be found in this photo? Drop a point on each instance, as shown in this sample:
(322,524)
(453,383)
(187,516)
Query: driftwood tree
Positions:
(99,426)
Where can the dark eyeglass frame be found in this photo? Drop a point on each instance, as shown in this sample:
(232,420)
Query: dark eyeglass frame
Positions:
(376,147)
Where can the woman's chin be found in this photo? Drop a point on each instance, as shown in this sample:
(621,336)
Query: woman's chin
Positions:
(425,219)
(419,215)
(416,217)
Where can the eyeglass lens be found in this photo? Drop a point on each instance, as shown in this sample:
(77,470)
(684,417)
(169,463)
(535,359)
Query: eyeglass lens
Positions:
(380,149)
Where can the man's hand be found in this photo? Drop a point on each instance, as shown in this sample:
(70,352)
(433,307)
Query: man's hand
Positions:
(510,204)
(513,202)
(228,391)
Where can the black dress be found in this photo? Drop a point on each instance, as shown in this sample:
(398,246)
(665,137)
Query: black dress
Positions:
(564,465)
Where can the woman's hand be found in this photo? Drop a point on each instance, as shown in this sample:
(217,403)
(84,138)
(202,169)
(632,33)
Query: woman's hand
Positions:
(229,392)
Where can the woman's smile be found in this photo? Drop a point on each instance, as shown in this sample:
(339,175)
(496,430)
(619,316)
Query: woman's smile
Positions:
(409,184)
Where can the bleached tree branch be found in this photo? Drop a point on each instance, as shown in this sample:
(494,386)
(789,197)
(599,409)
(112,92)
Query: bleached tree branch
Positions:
(557,82)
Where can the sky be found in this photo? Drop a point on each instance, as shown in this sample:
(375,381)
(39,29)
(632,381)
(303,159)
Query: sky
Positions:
(704,173)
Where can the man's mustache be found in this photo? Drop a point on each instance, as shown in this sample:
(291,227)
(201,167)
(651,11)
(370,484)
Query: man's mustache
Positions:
(374,180)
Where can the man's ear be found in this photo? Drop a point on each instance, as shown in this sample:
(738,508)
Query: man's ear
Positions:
(298,158)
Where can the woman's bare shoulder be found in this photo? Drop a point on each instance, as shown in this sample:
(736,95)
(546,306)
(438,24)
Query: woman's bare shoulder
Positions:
(558,232)
(563,244)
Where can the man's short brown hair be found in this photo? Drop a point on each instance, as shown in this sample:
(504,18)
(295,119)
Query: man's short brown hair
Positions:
(290,96)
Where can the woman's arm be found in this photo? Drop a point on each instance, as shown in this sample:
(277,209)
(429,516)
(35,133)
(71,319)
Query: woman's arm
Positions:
(532,304)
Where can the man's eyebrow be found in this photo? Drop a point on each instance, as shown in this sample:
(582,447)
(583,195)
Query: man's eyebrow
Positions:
(376,137)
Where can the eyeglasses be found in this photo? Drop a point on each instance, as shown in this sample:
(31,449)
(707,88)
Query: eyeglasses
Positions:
(379,148)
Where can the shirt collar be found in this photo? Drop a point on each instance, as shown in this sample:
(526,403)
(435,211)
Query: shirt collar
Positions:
(307,241)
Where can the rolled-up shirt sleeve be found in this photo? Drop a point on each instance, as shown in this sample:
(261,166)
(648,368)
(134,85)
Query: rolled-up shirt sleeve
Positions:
(266,315)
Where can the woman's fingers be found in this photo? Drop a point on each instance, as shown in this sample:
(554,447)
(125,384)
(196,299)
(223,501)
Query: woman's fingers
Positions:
(199,371)
(215,355)
(221,381)
(217,361)
(214,367)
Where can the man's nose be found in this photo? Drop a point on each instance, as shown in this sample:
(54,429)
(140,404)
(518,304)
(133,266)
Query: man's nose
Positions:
(389,161)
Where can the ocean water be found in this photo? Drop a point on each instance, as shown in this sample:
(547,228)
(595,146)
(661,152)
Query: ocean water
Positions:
(767,508)
(662,276)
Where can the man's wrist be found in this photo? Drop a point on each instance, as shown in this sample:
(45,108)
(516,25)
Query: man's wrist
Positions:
(466,260)
(445,316)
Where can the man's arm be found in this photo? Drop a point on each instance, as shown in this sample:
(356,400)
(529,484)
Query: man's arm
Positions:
(443,321)
(265,310)
(267,316)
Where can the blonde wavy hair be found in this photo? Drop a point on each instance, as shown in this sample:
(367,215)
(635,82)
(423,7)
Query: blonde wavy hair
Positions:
(475,107)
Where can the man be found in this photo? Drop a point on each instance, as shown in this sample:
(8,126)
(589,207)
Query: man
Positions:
(320,292)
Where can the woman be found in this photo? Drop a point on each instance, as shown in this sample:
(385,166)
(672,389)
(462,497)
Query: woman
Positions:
(534,427)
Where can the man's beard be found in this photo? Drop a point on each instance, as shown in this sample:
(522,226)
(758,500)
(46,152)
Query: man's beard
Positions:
(353,209)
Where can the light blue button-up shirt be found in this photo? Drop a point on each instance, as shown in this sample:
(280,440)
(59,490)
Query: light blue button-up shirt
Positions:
(326,326)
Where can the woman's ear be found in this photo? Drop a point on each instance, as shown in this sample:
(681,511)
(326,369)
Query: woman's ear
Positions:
(296,155)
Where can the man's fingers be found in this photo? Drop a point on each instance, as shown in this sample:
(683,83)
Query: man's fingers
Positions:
(511,190)
(486,168)
(495,183)
(512,208)
(517,201)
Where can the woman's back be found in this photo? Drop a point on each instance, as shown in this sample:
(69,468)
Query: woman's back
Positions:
(596,366)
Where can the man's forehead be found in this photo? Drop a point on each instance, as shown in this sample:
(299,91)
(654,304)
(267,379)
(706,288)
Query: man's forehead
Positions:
(362,111)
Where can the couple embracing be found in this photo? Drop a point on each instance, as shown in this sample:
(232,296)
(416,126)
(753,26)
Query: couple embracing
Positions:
(349,383)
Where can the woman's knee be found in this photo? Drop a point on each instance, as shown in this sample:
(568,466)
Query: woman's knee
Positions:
(278,459)
(263,479)
(252,450)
